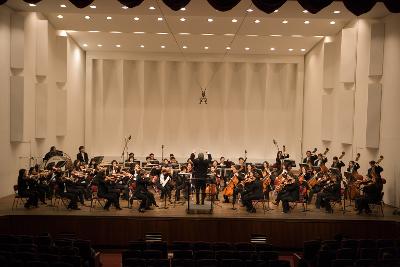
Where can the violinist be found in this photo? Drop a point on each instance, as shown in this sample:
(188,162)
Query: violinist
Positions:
(329,192)
(131,158)
(165,162)
(289,192)
(337,164)
(24,190)
(164,183)
(61,182)
(104,191)
(82,156)
(252,191)
(180,183)
(142,193)
(39,183)
(113,169)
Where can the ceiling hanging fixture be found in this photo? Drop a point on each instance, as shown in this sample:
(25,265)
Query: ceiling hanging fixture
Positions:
(176,4)
(223,5)
(314,6)
(131,3)
(81,3)
(268,6)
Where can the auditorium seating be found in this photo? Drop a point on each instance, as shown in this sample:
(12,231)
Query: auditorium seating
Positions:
(352,252)
(64,250)
(205,254)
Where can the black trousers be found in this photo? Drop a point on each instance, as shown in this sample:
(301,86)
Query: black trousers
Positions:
(200,187)
(247,200)
(362,203)
(32,197)
(112,198)
(178,190)
(72,196)
(285,197)
(165,191)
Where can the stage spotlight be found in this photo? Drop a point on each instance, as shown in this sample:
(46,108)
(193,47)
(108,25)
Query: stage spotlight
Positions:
(268,6)
(314,6)
(131,3)
(81,3)
(176,4)
(223,5)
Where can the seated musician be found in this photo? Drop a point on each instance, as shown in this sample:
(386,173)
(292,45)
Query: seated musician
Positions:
(112,197)
(337,164)
(371,195)
(330,192)
(39,184)
(165,162)
(252,191)
(119,180)
(306,174)
(309,157)
(142,193)
(24,190)
(375,172)
(288,192)
(61,183)
(173,160)
(320,160)
(52,152)
(131,158)
(164,183)
(82,156)
(321,180)
(151,156)
(213,183)
(180,183)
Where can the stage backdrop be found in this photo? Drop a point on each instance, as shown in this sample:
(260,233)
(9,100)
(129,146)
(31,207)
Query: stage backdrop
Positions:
(157,103)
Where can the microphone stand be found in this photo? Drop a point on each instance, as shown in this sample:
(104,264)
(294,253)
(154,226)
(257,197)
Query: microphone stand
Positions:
(126,141)
(162,153)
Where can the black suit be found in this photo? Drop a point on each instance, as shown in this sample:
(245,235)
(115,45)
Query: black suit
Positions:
(253,191)
(83,158)
(200,167)
(289,193)
(142,193)
(329,193)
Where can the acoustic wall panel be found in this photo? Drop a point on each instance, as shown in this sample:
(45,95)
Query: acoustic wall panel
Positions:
(346,114)
(376,49)
(327,117)
(17,41)
(17,108)
(373,115)
(61,59)
(329,59)
(41,110)
(348,55)
(61,112)
(42,47)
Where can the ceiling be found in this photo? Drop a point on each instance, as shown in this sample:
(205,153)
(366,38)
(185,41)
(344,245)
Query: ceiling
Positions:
(204,30)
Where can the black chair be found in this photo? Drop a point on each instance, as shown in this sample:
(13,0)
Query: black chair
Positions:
(255,263)
(330,244)
(158,245)
(369,253)
(231,263)
(310,249)
(207,263)
(64,242)
(68,251)
(8,247)
(365,263)
(204,254)
(350,243)
(157,263)
(263,247)
(247,255)
(346,253)
(388,253)
(367,243)
(244,247)
(389,263)
(8,239)
(278,263)
(152,254)
(202,246)
(85,249)
(61,264)
(76,261)
(131,254)
(182,263)
(25,256)
(222,246)
(225,254)
(342,263)
(27,248)
(181,245)
(50,258)
(135,263)
(25,239)
(268,255)
(44,241)
(137,245)
(325,257)
(183,254)
(36,264)
(385,243)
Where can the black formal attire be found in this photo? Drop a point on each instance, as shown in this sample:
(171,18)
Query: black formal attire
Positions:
(62,192)
(167,188)
(372,194)
(318,162)
(82,157)
(331,192)
(180,184)
(252,191)
(289,193)
(103,191)
(311,159)
(25,190)
(142,193)
(200,167)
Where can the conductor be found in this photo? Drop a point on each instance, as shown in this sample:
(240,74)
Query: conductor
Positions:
(200,166)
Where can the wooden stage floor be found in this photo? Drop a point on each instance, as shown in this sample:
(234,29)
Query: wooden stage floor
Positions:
(115,228)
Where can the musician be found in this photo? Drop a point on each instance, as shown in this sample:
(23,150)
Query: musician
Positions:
(231,186)
(61,182)
(113,169)
(82,156)
(166,162)
(252,191)
(151,156)
(214,181)
(173,160)
(164,183)
(372,194)
(222,161)
(51,153)
(288,193)
(320,160)
(320,183)
(142,193)
(309,158)
(112,197)
(38,182)
(24,190)
(353,167)
(200,166)
(337,164)
(131,158)
(180,183)
(306,174)
(330,192)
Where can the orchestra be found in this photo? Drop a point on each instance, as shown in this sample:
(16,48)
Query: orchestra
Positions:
(241,182)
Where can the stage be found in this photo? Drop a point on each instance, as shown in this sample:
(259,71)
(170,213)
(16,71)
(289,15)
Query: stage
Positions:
(115,228)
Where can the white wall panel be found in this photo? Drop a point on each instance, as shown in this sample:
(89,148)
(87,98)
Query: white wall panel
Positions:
(17,105)
(346,117)
(17,41)
(42,48)
(373,115)
(61,59)
(61,112)
(41,96)
(329,61)
(327,117)
(348,55)
(376,49)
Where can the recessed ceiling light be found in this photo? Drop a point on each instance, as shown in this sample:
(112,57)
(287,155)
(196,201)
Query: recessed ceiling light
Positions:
(285,21)
(160,19)
(60,16)
(305,11)
(136,18)
(115,32)
(184,33)
(234,20)
(63,6)
(93,31)
(229,34)
(182,19)
(118,46)
(336,12)
(319,36)
(184,47)
(303,50)
(152,8)
(257,21)
(32,5)
(99,45)
(290,49)
(272,49)
(162,33)
(206,47)
(252,35)
(183,9)
(332,22)
(70,31)
(297,35)
(141,46)
(249,10)
(228,48)
(124,7)
(93,6)
(87,17)
(109,17)
(163,46)
(247,48)
(275,35)
(85,45)
(138,32)
(210,20)
(276,10)
(207,34)
(306,22)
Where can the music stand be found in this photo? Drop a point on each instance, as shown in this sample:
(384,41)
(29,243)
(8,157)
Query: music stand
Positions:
(196,209)
(185,176)
(98,160)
